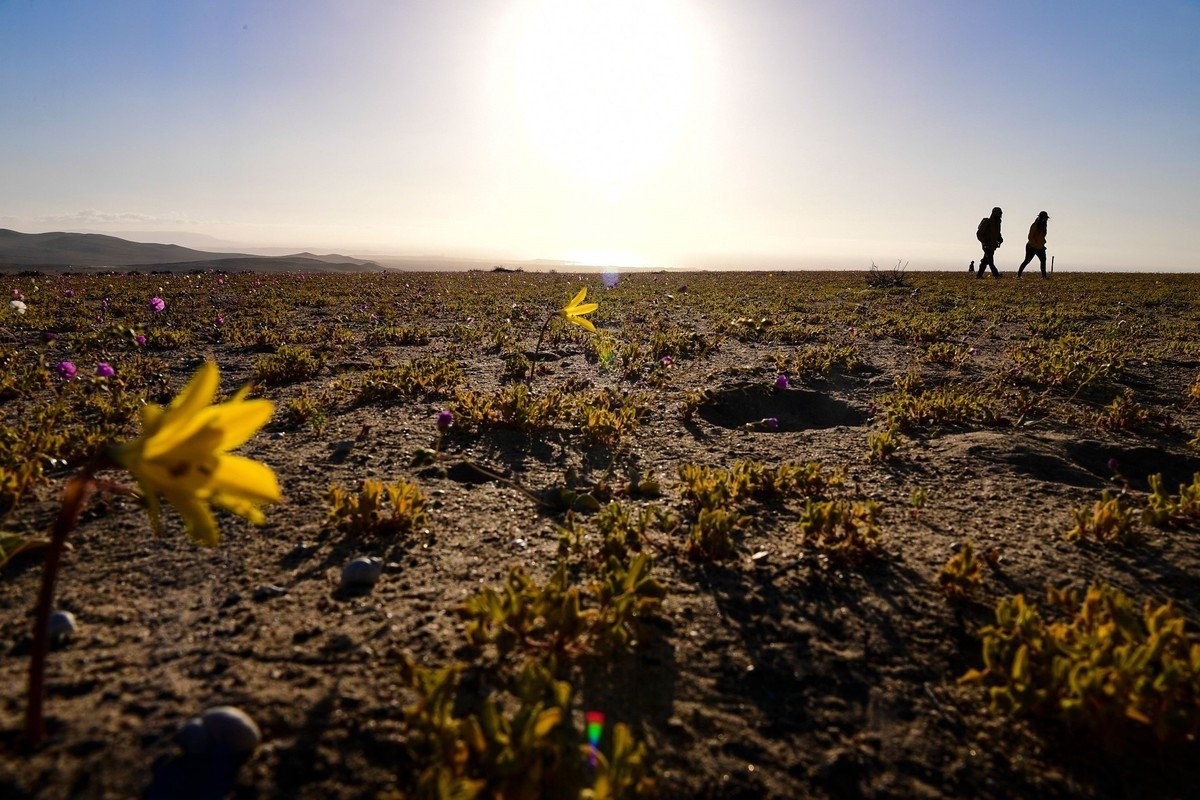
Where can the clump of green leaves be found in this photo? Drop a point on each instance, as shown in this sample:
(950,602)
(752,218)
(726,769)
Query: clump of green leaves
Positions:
(823,359)
(306,410)
(882,445)
(288,364)
(718,496)
(1167,510)
(560,618)
(962,576)
(1114,671)
(709,487)
(1070,363)
(513,407)
(911,407)
(1111,520)
(1124,413)
(377,508)
(624,530)
(518,742)
(843,531)
(401,335)
(428,376)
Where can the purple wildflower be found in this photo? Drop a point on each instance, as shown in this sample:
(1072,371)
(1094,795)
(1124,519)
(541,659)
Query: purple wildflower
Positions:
(105,370)
(66,370)
(781,381)
(445,419)
(220,319)
(666,361)
(772,423)
(157,305)
(140,339)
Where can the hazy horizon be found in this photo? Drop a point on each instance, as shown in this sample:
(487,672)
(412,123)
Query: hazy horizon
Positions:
(653,133)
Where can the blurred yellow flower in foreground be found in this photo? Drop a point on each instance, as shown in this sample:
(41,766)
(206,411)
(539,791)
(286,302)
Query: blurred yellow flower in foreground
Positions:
(574,311)
(182,456)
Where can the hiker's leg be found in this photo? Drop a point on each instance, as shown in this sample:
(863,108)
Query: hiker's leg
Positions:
(1029,251)
(983,262)
(1041,254)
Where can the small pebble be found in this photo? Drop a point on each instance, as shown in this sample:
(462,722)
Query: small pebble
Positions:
(221,728)
(361,573)
(267,592)
(61,626)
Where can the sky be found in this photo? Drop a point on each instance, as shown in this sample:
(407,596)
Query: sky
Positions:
(656,133)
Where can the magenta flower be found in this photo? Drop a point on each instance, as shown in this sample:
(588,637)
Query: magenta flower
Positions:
(772,423)
(157,305)
(781,382)
(66,370)
(69,292)
(140,339)
(220,319)
(49,336)
(666,361)
(105,370)
(445,420)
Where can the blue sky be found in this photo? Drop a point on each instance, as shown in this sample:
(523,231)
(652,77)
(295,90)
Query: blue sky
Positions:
(656,133)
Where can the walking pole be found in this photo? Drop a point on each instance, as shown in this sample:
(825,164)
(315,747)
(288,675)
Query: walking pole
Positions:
(1051,265)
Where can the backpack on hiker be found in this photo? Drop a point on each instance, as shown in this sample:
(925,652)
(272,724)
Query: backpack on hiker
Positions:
(984,232)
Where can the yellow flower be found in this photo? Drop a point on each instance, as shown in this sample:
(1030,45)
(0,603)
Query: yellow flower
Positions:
(574,311)
(182,456)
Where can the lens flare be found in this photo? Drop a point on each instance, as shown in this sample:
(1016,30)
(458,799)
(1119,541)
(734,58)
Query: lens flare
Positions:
(595,727)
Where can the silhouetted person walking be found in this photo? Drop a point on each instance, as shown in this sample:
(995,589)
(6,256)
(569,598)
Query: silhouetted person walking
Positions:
(971,268)
(988,234)
(1036,246)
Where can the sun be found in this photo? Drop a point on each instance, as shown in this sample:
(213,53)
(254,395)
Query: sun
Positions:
(603,88)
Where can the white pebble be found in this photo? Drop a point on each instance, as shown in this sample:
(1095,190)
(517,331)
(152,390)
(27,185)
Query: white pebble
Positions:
(61,626)
(361,573)
(221,728)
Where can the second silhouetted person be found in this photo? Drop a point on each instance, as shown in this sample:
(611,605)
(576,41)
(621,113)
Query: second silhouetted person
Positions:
(988,234)
(1036,245)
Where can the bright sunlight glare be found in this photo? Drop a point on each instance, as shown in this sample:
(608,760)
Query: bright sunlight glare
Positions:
(604,88)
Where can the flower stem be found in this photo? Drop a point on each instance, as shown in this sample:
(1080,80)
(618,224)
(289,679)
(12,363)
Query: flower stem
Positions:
(75,495)
(538,348)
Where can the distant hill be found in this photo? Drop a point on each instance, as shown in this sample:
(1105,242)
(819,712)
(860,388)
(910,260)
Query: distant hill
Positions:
(93,250)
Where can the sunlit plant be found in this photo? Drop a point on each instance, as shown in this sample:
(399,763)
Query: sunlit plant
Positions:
(572,312)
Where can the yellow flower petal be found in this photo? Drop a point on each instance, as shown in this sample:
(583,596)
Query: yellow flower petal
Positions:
(238,477)
(239,421)
(583,323)
(586,308)
(198,393)
(151,417)
(577,298)
(198,519)
(243,508)
(192,441)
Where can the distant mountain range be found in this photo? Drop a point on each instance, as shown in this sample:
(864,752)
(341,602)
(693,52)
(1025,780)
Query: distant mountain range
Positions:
(91,251)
